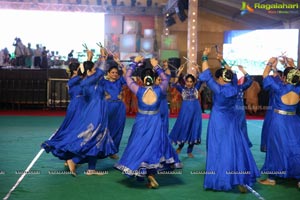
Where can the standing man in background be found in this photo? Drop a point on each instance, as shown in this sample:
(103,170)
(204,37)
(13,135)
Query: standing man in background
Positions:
(251,96)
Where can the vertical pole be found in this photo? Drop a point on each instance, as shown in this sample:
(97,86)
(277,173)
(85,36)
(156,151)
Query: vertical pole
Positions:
(192,38)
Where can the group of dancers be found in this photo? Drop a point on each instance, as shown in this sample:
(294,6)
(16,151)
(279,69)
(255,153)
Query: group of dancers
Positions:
(95,121)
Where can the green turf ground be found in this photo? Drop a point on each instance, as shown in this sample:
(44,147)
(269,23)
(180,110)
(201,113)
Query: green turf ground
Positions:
(20,139)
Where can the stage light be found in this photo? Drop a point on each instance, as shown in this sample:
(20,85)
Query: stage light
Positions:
(180,11)
(184,4)
(181,14)
(169,21)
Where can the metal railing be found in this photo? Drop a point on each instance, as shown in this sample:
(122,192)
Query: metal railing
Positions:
(57,93)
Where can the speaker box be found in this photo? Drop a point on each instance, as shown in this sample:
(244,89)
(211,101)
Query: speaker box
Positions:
(174,63)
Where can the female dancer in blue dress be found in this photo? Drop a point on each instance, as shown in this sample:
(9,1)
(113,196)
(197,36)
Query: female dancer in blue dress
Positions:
(240,103)
(278,77)
(164,108)
(229,161)
(73,112)
(283,145)
(240,108)
(266,129)
(149,149)
(188,125)
(91,139)
(113,84)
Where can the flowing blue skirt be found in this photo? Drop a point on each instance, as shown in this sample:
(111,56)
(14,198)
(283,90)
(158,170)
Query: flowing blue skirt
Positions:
(164,111)
(243,123)
(91,138)
(148,148)
(70,122)
(229,161)
(188,125)
(283,147)
(116,120)
(266,129)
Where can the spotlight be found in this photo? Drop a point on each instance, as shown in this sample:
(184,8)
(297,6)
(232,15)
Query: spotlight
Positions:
(180,11)
(184,4)
(169,21)
(181,14)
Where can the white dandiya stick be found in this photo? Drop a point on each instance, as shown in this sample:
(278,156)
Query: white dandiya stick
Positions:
(216,47)
(27,170)
(256,194)
(172,66)
(145,53)
(191,61)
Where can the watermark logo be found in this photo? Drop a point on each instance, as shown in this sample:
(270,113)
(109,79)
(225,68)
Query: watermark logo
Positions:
(271,8)
(246,8)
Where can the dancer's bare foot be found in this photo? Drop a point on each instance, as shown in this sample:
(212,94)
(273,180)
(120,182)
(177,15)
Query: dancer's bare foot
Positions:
(190,155)
(267,182)
(152,182)
(72,167)
(114,156)
(93,172)
(242,189)
(178,150)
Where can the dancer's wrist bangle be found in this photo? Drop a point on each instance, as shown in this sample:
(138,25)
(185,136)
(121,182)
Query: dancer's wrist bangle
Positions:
(269,64)
(223,62)
(204,58)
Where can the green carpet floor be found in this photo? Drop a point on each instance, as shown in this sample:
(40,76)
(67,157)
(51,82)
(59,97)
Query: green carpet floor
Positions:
(20,139)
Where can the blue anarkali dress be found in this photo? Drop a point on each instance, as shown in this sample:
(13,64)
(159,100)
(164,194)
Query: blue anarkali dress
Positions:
(164,109)
(72,117)
(188,125)
(283,145)
(229,161)
(116,109)
(266,129)
(240,108)
(91,138)
(148,147)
